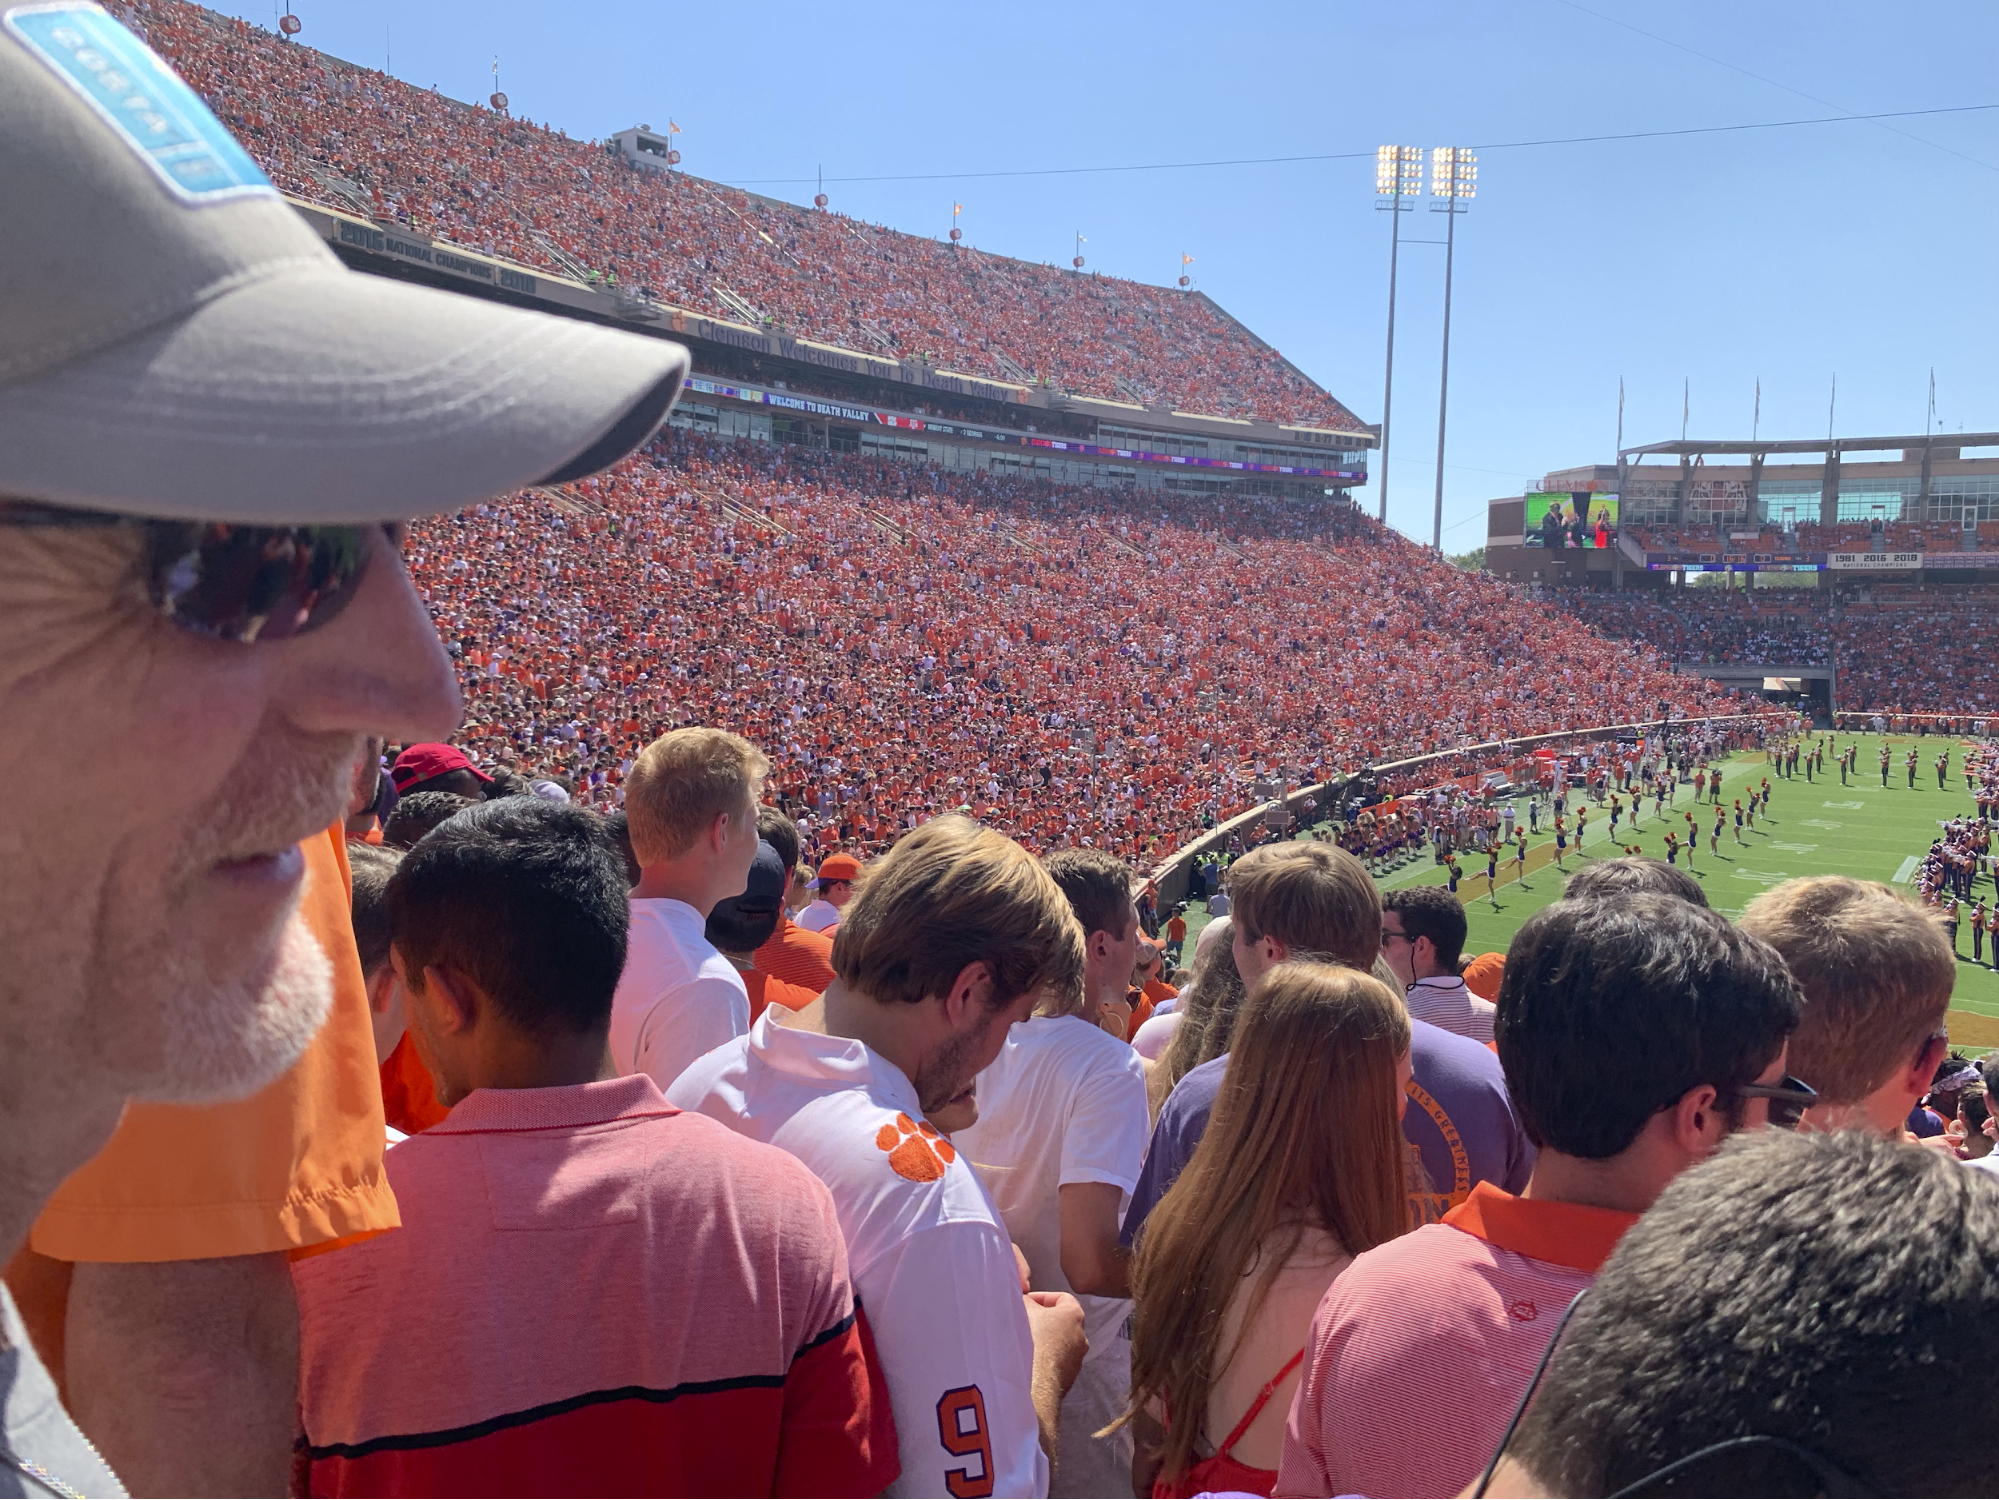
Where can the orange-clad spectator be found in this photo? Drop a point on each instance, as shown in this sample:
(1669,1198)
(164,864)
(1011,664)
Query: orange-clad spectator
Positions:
(1176,933)
(189,941)
(1149,990)
(791,954)
(740,927)
(1482,975)
(409,1103)
(201,1205)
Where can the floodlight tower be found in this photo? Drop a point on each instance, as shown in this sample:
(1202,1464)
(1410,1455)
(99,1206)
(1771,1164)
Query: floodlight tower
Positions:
(1453,184)
(1398,174)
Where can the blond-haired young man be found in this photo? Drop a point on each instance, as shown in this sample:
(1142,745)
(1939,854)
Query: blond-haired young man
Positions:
(951,939)
(1877,974)
(691,805)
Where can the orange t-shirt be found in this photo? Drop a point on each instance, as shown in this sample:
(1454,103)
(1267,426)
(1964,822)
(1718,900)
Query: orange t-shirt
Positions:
(409,1099)
(798,956)
(767,989)
(295,1165)
(1176,928)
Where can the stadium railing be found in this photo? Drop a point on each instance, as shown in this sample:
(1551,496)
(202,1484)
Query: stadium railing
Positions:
(1171,876)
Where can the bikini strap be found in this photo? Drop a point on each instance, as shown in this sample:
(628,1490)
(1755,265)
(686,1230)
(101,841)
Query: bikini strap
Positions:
(1256,1407)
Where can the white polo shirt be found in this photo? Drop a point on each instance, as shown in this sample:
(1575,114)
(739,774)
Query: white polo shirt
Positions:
(678,997)
(1064,1103)
(1443,1000)
(926,1248)
(818,916)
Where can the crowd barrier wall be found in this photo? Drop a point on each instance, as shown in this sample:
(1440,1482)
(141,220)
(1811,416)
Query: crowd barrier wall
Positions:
(1172,875)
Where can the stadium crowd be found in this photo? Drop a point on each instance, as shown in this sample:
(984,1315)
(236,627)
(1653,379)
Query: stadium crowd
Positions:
(1897,648)
(531,195)
(1069,664)
(516,1146)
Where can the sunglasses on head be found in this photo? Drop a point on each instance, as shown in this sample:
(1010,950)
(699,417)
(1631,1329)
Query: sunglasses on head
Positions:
(231,581)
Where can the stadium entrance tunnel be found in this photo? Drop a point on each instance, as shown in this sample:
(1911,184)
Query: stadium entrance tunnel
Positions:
(1809,689)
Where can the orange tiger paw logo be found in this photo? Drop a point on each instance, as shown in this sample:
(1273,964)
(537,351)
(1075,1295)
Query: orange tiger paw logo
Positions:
(916,1151)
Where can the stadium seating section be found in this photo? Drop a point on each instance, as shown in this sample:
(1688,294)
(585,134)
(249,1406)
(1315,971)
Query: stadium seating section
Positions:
(1896,648)
(516,190)
(902,641)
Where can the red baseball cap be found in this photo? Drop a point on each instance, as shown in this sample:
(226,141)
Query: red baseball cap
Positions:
(421,763)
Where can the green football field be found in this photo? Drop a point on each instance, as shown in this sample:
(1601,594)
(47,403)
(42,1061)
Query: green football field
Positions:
(1814,828)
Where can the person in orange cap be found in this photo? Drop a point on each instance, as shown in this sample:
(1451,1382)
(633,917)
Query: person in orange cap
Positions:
(837,874)
(1481,975)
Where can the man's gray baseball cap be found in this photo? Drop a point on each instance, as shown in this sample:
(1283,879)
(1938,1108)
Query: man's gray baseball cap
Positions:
(175,341)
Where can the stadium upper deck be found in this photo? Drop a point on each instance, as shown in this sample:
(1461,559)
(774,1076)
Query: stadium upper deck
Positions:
(323,128)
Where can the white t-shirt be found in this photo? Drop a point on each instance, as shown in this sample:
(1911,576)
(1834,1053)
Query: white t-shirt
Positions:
(1063,1103)
(928,1253)
(1156,1035)
(818,916)
(677,998)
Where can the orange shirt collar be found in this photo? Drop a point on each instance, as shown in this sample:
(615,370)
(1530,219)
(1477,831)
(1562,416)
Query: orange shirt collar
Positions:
(1563,1234)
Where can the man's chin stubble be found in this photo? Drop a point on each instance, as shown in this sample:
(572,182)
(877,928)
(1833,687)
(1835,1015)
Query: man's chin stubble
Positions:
(231,1037)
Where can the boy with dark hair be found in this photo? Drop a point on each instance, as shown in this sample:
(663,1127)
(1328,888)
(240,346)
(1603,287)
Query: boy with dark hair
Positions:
(1612,879)
(416,813)
(1779,1245)
(684,1292)
(409,1102)
(1423,939)
(1636,1036)
(740,926)
(792,954)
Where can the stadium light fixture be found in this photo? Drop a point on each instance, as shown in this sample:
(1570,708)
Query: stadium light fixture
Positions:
(1398,174)
(1453,184)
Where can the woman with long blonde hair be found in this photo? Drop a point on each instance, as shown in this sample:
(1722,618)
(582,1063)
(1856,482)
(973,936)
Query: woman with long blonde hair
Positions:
(1208,1014)
(1302,1167)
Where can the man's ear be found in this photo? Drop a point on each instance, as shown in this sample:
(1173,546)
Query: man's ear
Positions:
(1924,1068)
(455,999)
(1280,952)
(382,989)
(970,994)
(1699,1123)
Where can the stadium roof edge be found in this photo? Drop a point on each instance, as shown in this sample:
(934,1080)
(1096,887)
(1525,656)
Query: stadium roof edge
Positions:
(1693,447)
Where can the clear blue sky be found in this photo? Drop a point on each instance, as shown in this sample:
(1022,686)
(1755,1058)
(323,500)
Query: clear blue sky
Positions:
(1786,254)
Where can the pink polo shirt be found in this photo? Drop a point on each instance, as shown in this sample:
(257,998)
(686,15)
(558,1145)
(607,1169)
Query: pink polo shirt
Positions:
(592,1293)
(1421,1349)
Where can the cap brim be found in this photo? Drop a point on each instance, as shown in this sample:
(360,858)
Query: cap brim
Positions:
(328,395)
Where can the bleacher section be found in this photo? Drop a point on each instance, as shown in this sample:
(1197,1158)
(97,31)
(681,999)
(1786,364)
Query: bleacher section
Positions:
(351,138)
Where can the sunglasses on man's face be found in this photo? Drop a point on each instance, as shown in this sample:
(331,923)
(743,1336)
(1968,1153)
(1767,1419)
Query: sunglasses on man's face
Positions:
(235,582)
(1789,1099)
